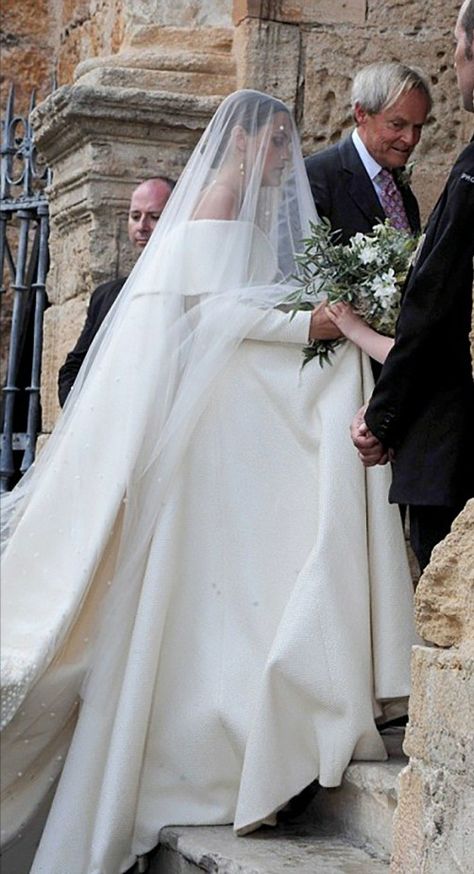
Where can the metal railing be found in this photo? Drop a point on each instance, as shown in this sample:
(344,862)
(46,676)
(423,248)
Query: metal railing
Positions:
(24,226)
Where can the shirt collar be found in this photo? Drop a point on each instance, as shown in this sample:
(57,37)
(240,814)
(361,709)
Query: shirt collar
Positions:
(370,164)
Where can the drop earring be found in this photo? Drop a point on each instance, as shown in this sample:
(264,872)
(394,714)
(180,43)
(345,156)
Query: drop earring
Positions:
(242,168)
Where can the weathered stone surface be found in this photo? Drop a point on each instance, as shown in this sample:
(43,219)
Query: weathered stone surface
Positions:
(301,11)
(198,69)
(441,727)
(433,830)
(362,807)
(266,55)
(407,15)
(27,41)
(88,29)
(178,13)
(434,822)
(217,849)
(158,38)
(62,326)
(445,593)
(37,73)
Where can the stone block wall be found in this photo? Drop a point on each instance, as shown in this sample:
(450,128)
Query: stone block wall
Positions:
(434,823)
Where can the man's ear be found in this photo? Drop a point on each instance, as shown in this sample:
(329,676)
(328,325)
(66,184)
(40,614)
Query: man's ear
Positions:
(360,114)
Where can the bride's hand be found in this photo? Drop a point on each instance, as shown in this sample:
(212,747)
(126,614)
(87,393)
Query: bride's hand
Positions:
(322,327)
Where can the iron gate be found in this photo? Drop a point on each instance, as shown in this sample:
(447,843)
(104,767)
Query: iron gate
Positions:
(24,225)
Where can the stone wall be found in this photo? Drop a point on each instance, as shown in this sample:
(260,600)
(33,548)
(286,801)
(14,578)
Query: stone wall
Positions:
(434,824)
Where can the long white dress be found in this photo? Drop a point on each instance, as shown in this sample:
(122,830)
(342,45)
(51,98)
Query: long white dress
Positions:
(273,614)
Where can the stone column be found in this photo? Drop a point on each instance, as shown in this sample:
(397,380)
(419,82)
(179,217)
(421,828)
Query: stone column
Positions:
(434,822)
(128,116)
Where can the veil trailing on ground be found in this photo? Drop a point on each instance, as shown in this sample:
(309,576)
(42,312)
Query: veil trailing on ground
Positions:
(79,525)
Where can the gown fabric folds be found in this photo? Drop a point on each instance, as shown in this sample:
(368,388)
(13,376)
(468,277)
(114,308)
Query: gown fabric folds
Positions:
(214,602)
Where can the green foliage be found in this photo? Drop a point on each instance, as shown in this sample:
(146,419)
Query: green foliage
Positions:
(367,273)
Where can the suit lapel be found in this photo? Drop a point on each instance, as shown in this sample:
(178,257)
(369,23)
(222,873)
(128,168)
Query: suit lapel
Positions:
(357,183)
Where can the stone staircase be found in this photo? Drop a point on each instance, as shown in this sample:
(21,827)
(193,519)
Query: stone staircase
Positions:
(344,831)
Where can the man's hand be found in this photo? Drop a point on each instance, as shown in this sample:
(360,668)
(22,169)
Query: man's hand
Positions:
(370,450)
(322,328)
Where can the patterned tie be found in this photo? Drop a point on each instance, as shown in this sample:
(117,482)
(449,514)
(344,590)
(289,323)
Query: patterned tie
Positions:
(391,200)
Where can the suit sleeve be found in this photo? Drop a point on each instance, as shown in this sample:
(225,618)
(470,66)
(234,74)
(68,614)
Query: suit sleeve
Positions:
(69,370)
(319,185)
(439,285)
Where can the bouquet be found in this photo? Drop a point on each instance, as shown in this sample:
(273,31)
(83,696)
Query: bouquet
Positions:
(367,273)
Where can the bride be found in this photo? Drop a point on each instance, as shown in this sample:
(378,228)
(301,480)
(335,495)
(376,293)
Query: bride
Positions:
(206,598)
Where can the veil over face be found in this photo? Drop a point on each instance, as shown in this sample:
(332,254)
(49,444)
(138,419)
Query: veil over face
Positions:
(203,281)
(251,147)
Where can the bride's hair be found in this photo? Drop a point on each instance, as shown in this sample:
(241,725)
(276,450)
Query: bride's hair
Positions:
(250,110)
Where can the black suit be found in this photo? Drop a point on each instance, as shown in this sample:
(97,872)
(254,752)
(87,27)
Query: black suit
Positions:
(99,305)
(423,403)
(344,193)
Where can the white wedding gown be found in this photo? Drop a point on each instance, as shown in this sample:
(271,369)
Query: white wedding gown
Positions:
(274,610)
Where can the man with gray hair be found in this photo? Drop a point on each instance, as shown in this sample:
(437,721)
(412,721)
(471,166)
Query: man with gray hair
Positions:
(361,180)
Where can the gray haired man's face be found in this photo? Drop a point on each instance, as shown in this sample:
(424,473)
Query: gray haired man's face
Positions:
(391,135)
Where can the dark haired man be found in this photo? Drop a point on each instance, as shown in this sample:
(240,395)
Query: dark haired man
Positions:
(422,408)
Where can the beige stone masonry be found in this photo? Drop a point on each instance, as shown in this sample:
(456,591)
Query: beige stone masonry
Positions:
(406,15)
(179,13)
(434,825)
(301,11)
(434,822)
(175,60)
(445,594)
(267,58)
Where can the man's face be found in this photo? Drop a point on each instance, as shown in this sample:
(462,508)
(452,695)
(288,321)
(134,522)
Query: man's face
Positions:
(391,135)
(147,203)
(464,63)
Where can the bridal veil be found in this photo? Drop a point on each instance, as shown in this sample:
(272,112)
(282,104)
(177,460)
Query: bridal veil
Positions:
(196,466)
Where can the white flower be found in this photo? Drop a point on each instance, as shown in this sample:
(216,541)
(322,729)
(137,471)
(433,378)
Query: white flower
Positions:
(384,288)
(368,254)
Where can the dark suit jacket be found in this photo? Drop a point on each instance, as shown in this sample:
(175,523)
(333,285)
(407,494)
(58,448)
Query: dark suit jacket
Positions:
(423,403)
(100,303)
(343,192)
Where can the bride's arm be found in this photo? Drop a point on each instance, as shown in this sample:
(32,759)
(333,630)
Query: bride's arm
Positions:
(276,326)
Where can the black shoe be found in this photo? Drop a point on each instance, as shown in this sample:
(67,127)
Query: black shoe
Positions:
(399,722)
(296,805)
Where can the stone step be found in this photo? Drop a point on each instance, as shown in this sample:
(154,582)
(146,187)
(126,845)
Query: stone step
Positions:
(362,807)
(299,848)
(347,830)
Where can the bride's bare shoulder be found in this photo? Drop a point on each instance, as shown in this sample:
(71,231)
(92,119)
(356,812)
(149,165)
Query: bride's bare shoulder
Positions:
(218,201)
